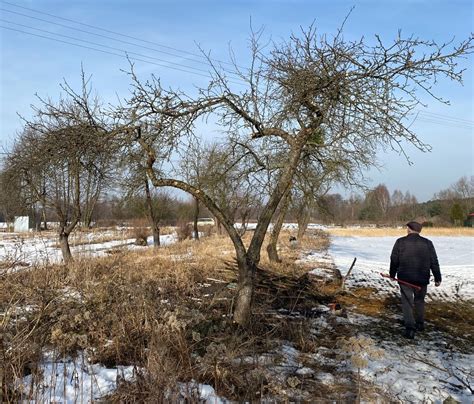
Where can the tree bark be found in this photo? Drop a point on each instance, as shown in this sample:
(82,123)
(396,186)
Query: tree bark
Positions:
(281,187)
(65,249)
(272,245)
(243,302)
(156,235)
(303,221)
(43,215)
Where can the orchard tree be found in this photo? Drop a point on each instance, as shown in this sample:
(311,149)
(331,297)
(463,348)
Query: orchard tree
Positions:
(314,94)
(14,196)
(135,181)
(64,157)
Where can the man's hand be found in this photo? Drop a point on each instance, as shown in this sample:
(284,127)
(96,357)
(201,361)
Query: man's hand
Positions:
(437,283)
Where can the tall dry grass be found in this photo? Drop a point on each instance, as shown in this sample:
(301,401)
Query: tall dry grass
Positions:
(166,311)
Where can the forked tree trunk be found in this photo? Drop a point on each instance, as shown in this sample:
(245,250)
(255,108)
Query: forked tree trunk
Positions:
(272,245)
(247,259)
(65,249)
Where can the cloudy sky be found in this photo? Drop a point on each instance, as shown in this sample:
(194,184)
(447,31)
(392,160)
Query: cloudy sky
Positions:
(163,38)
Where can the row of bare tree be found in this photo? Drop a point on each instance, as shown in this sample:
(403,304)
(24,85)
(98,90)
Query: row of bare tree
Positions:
(306,113)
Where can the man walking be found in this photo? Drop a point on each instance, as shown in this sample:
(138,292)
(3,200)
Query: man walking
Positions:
(412,259)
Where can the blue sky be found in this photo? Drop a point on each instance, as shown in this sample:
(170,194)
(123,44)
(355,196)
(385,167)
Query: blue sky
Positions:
(32,64)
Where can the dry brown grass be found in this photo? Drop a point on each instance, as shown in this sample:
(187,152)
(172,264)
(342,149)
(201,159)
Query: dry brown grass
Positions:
(167,311)
(400,232)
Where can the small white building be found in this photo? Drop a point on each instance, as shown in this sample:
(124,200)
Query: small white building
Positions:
(21,224)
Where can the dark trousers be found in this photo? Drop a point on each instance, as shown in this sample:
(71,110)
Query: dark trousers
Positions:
(413,305)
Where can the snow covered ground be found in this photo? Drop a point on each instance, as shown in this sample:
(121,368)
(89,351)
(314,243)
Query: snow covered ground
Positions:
(427,369)
(41,250)
(75,380)
(455,254)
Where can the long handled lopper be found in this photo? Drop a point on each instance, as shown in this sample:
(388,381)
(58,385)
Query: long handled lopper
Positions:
(400,281)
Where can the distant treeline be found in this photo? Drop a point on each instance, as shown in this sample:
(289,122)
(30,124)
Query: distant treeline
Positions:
(448,207)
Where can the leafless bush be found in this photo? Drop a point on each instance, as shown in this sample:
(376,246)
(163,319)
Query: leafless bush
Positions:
(184,231)
(141,235)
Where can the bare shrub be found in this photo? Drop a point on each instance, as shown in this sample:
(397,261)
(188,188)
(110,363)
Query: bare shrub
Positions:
(141,235)
(184,231)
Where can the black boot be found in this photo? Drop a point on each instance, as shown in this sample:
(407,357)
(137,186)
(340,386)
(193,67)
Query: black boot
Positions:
(409,333)
(420,326)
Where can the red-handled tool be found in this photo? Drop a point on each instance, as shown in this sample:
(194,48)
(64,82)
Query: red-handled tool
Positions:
(400,281)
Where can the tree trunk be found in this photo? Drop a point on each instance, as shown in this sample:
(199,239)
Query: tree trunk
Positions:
(88,219)
(272,245)
(65,250)
(219,227)
(243,305)
(196,216)
(156,235)
(244,222)
(43,215)
(303,221)
(151,215)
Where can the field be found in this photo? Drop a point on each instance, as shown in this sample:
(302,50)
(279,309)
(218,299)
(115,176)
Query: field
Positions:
(400,231)
(141,324)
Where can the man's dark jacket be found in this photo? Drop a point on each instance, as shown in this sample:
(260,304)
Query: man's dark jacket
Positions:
(412,259)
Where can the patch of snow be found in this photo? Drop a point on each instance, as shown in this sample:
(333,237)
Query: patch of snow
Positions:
(325,272)
(202,392)
(305,371)
(326,378)
(420,372)
(72,380)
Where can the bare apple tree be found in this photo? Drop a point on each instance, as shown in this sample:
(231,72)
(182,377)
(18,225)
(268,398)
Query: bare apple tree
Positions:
(326,96)
(64,157)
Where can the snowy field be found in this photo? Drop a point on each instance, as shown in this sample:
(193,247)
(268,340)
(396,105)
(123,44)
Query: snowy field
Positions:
(455,255)
(42,250)
(427,369)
